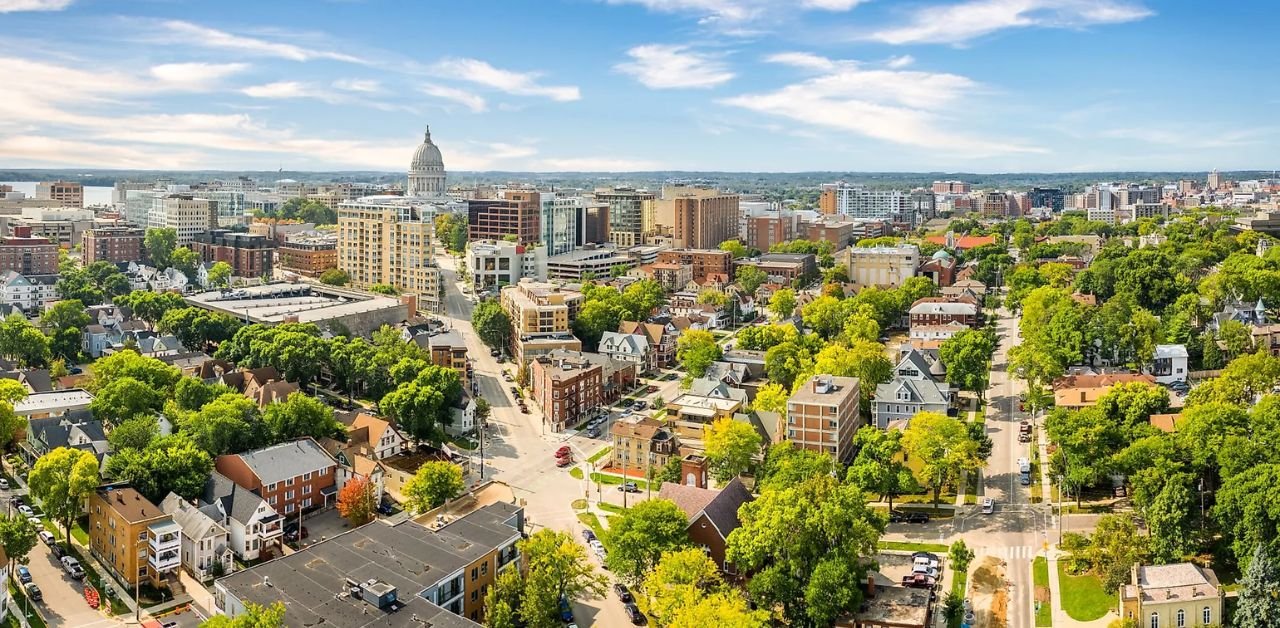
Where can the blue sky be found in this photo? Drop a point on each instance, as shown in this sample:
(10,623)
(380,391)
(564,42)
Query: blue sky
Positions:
(552,85)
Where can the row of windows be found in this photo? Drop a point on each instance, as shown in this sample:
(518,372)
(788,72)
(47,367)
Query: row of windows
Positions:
(1180,619)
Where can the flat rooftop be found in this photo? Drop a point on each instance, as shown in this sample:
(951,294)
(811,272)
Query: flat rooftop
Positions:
(277,302)
(53,400)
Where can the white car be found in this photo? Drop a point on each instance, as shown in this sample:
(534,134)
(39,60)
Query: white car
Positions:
(26,511)
(988,505)
(47,537)
(4,484)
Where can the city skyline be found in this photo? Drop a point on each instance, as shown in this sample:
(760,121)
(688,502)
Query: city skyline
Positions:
(638,85)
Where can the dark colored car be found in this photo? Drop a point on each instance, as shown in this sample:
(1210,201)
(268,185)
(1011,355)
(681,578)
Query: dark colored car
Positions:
(57,551)
(897,516)
(589,536)
(627,403)
(33,592)
(623,594)
(917,517)
(24,574)
(566,611)
(385,508)
(493,353)
(633,613)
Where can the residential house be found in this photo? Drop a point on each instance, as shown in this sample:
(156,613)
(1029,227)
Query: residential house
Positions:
(370,440)
(641,443)
(705,402)
(39,405)
(631,348)
(294,476)
(1170,364)
(713,515)
(263,385)
(206,544)
(661,337)
(28,293)
(966,288)
(1240,312)
(913,389)
(1171,596)
(76,429)
(937,333)
(253,527)
(940,311)
(1081,391)
(133,537)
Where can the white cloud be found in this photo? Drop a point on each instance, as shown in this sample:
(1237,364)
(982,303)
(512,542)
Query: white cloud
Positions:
(660,66)
(280,89)
(474,102)
(594,164)
(13,6)
(283,90)
(738,11)
(190,34)
(900,62)
(195,76)
(363,86)
(958,23)
(895,106)
(517,83)
(802,60)
(831,5)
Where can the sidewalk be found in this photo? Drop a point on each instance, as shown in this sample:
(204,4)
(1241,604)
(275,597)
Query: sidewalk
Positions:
(1060,617)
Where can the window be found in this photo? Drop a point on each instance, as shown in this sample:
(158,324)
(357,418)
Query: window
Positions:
(288,495)
(306,476)
(1182,618)
(1155,620)
(474,573)
(306,503)
(288,507)
(306,489)
(1206,616)
(484,569)
(288,482)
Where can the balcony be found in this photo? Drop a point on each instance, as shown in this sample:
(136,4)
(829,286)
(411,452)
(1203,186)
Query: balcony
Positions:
(271,528)
(164,536)
(165,561)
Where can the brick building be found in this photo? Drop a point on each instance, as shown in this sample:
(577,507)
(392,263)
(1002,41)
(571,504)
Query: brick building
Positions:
(705,262)
(770,228)
(943,311)
(570,385)
(113,244)
(249,255)
(823,415)
(26,255)
(705,219)
(309,256)
(292,476)
(516,215)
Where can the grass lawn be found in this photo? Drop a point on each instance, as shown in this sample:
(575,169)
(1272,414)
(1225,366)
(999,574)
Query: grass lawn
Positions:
(600,454)
(607,507)
(591,521)
(908,546)
(614,480)
(575,473)
(19,601)
(77,531)
(1040,577)
(959,582)
(1082,596)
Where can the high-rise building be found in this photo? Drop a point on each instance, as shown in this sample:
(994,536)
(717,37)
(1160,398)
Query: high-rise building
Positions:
(183,213)
(542,316)
(703,218)
(389,240)
(858,202)
(249,255)
(630,210)
(69,193)
(951,187)
(559,222)
(1051,198)
(882,266)
(113,244)
(1103,207)
(121,189)
(516,215)
(997,204)
(822,415)
(1214,180)
(27,255)
(770,228)
(924,204)
(591,223)
(705,262)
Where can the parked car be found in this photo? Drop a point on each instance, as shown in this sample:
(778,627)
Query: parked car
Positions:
(650,389)
(4,484)
(385,508)
(47,537)
(627,403)
(897,516)
(588,535)
(917,517)
(72,567)
(928,558)
(35,522)
(24,574)
(641,405)
(918,581)
(57,551)
(634,614)
(291,532)
(26,511)
(629,487)
(593,432)
(566,611)
(988,505)
(623,594)
(524,409)
(493,353)
(33,592)
(564,461)
(564,450)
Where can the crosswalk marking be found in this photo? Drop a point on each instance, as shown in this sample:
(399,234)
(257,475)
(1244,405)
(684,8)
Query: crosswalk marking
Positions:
(1016,551)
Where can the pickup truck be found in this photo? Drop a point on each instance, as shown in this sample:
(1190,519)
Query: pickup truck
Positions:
(72,567)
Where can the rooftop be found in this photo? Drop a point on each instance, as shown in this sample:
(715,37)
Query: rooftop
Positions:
(53,400)
(130,504)
(286,460)
(278,302)
(826,389)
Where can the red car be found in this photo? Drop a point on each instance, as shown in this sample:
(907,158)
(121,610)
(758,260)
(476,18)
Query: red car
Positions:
(563,451)
(564,462)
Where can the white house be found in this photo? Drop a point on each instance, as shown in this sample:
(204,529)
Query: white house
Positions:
(30,294)
(206,544)
(631,348)
(1170,364)
(464,418)
(252,524)
(937,332)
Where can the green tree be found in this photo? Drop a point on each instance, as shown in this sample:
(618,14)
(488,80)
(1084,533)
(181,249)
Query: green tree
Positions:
(761,337)
(750,278)
(451,229)
(783,303)
(492,324)
(641,298)
(595,318)
(771,398)
(944,449)
(644,532)
(220,275)
(384,289)
(1114,548)
(198,328)
(726,609)
(879,467)
(731,448)
(334,277)
(157,375)
(64,322)
(697,349)
(435,483)
(124,398)
(192,394)
(301,415)
(680,580)
(825,316)
(17,537)
(1258,606)
(134,433)
(160,244)
(150,306)
(785,363)
(62,479)
(736,248)
(967,358)
(959,556)
(21,342)
(229,424)
(254,616)
(169,464)
(422,407)
(864,360)
(502,600)
(185,261)
(557,567)
(786,465)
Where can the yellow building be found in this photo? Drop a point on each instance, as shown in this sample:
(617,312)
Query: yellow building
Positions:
(541,318)
(1172,596)
(133,537)
(388,240)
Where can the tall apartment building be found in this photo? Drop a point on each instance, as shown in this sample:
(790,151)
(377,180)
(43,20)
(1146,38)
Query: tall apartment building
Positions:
(592,223)
(858,202)
(1101,205)
(882,266)
(558,228)
(703,218)
(113,244)
(131,536)
(541,316)
(69,193)
(249,255)
(951,187)
(389,240)
(770,228)
(496,263)
(518,215)
(631,214)
(1214,180)
(1052,198)
(308,255)
(27,255)
(705,262)
(823,415)
(183,213)
(924,205)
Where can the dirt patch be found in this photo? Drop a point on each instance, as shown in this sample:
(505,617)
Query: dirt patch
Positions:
(989,593)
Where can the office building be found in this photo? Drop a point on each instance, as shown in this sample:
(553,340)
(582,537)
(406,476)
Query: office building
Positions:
(882,266)
(389,240)
(517,215)
(858,202)
(249,255)
(998,204)
(951,187)
(542,316)
(309,254)
(69,193)
(558,228)
(113,244)
(591,262)
(133,537)
(406,575)
(62,225)
(497,263)
(1102,206)
(706,263)
(27,255)
(183,213)
(822,415)
(591,222)
(703,218)
(1050,198)
(631,211)
(770,228)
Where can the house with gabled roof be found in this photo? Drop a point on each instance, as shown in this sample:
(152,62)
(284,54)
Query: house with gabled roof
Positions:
(254,528)
(630,348)
(206,543)
(713,515)
(913,389)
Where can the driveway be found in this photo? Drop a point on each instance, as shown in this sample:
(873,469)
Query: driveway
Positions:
(64,603)
(324,525)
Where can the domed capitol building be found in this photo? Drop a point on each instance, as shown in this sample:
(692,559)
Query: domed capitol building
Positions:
(389,239)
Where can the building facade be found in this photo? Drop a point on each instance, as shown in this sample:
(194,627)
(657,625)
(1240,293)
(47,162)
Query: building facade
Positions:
(704,218)
(630,211)
(28,255)
(770,228)
(390,240)
(515,216)
(131,536)
(69,193)
(185,214)
(113,244)
(823,415)
(882,266)
(291,477)
(308,255)
(705,262)
(248,255)
(858,202)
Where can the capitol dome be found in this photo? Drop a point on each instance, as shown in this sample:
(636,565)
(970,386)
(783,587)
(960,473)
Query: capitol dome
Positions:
(426,170)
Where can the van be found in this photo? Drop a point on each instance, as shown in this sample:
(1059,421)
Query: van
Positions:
(988,505)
